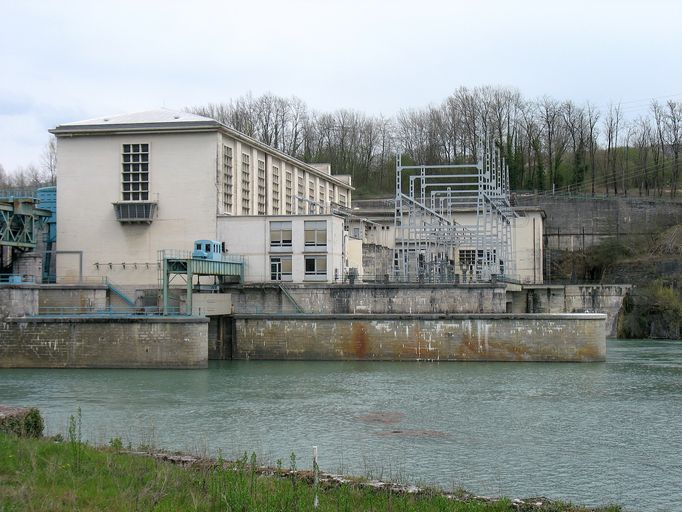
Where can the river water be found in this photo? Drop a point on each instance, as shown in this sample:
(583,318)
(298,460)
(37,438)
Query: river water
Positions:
(593,433)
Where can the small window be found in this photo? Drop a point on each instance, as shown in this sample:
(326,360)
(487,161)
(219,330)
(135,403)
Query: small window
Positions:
(316,265)
(198,247)
(208,247)
(316,233)
(280,234)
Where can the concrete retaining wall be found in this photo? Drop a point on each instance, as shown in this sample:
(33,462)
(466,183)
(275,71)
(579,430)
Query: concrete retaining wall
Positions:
(575,338)
(369,298)
(18,300)
(606,299)
(73,296)
(575,223)
(104,343)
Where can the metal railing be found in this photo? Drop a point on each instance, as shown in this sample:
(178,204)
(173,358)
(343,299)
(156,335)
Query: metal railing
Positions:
(94,311)
(175,254)
(412,278)
(17,279)
(19,193)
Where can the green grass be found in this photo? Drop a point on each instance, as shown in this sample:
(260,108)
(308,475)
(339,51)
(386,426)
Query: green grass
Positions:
(40,474)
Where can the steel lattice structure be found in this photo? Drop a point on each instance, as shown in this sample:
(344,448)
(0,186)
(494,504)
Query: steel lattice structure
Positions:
(18,222)
(431,245)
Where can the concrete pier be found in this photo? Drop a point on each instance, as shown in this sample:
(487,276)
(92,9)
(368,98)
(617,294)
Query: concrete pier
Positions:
(104,342)
(470,337)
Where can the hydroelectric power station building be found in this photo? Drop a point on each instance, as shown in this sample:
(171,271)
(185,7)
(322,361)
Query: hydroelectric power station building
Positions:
(286,266)
(132,185)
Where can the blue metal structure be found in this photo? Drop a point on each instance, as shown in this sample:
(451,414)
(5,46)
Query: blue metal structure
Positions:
(47,199)
(208,250)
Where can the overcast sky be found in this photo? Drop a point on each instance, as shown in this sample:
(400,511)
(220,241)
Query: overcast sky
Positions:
(64,61)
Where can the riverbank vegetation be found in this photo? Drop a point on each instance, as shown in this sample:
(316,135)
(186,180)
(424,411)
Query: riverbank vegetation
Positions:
(49,474)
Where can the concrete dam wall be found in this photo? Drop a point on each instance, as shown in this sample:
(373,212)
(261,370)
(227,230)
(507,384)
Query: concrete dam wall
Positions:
(474,337)
(102,342)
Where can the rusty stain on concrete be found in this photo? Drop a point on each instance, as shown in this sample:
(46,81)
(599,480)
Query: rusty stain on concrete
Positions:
(360,339)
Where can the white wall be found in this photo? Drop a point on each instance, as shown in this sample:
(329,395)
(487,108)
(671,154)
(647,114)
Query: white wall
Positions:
(527,234)
(249,236)
(182,170)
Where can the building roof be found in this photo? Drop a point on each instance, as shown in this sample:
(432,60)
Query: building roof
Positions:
(148,117)
(174,120)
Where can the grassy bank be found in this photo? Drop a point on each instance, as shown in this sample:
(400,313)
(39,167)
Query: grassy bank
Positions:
(41,474)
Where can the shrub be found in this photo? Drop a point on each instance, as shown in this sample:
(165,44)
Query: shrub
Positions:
(23,423)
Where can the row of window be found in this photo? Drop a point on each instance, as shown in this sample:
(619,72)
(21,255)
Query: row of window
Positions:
(135,182)
(280,267)
(315,233)
(228,189)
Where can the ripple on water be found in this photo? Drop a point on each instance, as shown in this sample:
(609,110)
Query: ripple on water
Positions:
(590,433)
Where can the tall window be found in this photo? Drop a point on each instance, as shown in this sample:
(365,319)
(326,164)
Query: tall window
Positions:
(280,234)
(227,179)
(280,268)
(342,199)
(246,184)
(322,194)
(316,265)
(300,192)
(261,187)
(315,233)
(275,189)
(135,172)
(289,194)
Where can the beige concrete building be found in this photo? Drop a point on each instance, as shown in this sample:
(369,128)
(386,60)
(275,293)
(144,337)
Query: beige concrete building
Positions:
(134,184)
(286,248)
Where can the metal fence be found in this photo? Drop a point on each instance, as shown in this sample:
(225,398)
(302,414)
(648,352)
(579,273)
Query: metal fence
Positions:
(17,279)
(122,312)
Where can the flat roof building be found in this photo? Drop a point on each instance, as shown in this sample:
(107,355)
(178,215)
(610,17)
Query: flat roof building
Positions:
(133,184)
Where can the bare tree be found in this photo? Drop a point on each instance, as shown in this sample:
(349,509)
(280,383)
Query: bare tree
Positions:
(674,129)
(4,178)
(592,119)
(48,160)
(611,128)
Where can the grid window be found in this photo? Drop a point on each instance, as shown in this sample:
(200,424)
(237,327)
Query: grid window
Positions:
(261,187)
(280,268)
(246,184)
(315,233)
(135,172)
(300,191)
(275,189)
(467,258)
(315,265)
(289,193)
(342,199)
(280,234)
(227,179)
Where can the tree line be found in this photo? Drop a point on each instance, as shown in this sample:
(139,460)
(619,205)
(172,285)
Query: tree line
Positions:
(33,176)
(550,145)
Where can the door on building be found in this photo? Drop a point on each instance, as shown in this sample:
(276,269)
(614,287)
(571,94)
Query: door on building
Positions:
(275,269)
